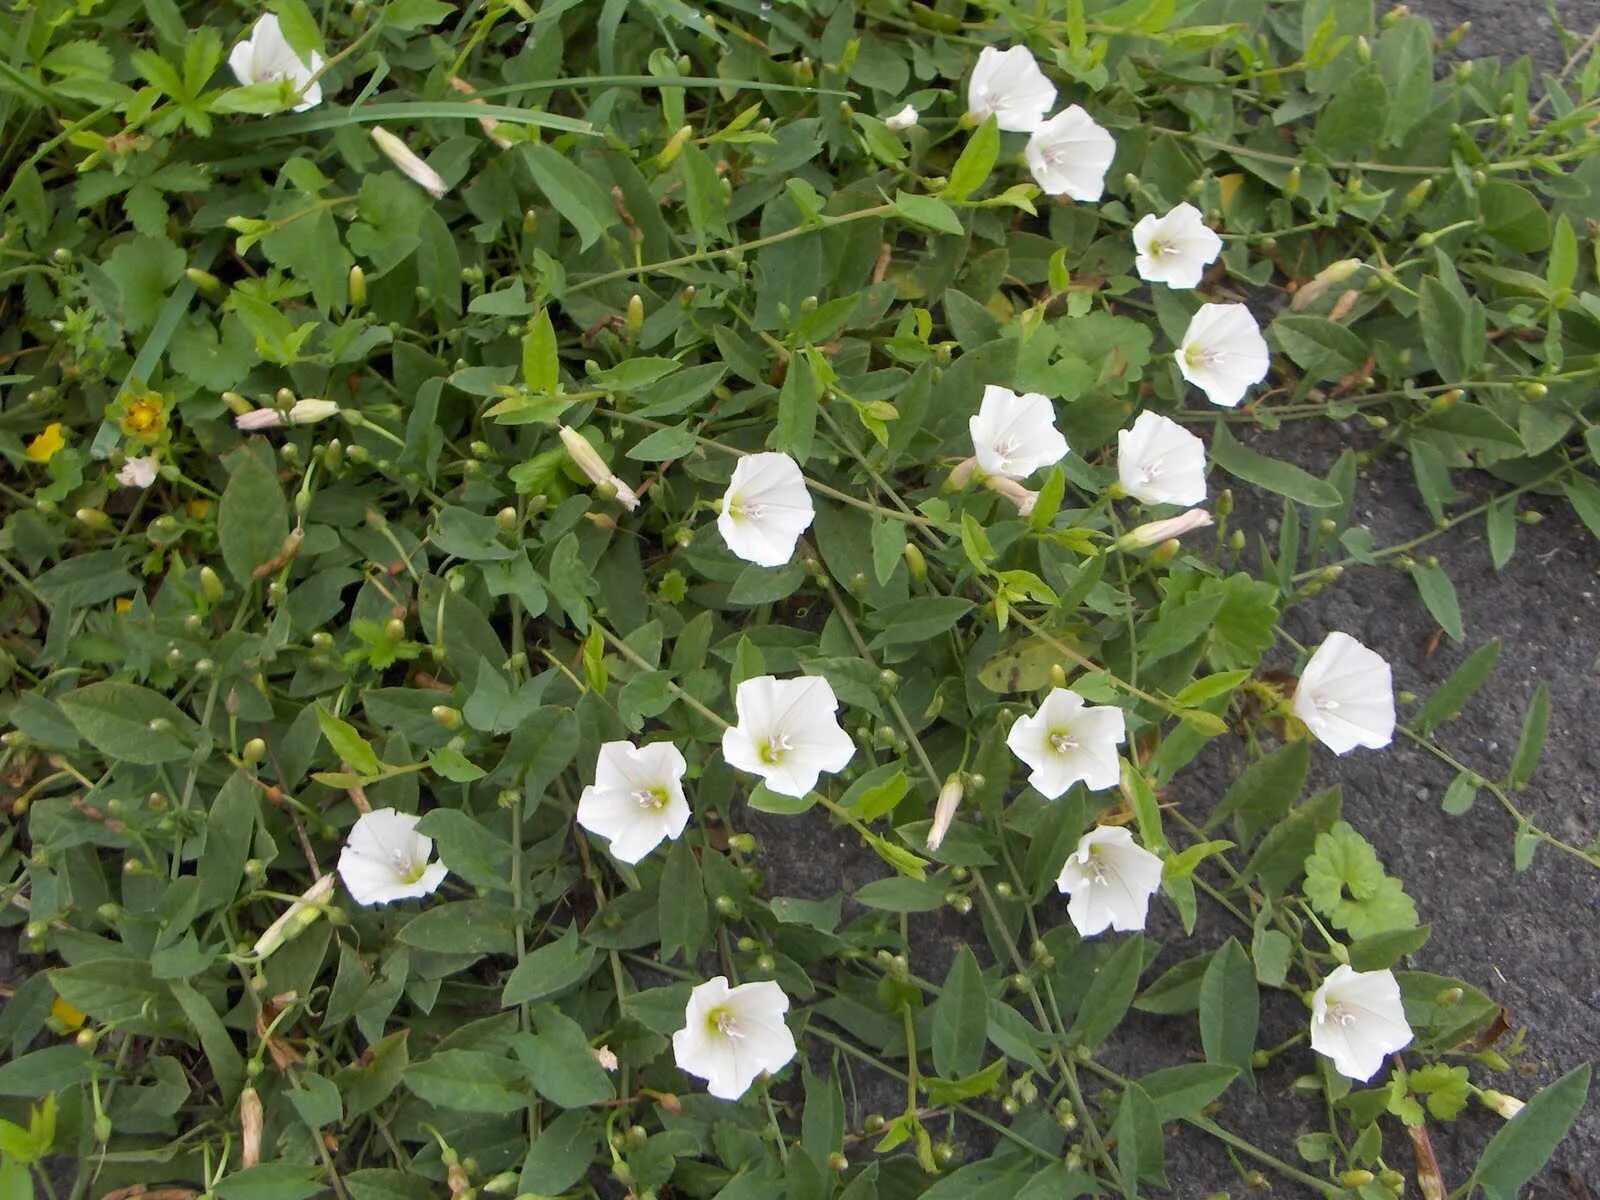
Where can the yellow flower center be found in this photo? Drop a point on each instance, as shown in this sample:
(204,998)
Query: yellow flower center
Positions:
(144,418)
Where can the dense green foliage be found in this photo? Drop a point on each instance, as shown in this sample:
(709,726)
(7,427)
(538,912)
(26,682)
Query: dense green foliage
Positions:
(691,235)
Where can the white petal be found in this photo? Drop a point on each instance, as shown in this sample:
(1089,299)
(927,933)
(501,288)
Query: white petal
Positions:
(1161,462)
(1223,353)
(1346,695)
(1175,249)
(1013,436)
(765,509)
(1069,155)
(1009,86)
(793,721)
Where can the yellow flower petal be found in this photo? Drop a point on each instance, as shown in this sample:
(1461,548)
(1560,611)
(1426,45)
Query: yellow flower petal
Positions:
(48,444)
(66,1014)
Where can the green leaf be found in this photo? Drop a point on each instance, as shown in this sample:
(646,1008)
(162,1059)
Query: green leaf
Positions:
(541,365)
(796,426)
(1264,791)
(901,894)
(876,792)
(1531,743)
(252,518)
(1462,794)
(929,212)
(1525,1144)
(549,971)
(1184,1091)
(462,927)
(1325,349)
(572,192)
(53,1069)
(561,1154)
(664,444)
(469,1081)
(1110,993)
(917,620)
(129,723)
(558,1063)
(271,1181)
(685,923)
(1283,478)
(1346,883)
(1439,595)
(973,167)
(1443,319)
(1230,1009)
(888,544)
(1451,696)
(1280,859)
(959,1018)
(1562,269)
(347,744)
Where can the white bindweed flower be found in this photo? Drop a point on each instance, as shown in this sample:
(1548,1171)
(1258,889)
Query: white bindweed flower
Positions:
(730,1035)
(1357,1018)
(1067,741)
(411,166)
(903,120)
(266,57)
(1142,537)
(386,859)
(1161,462)
(1009,86)
(1110,878)
(588,460)
(1069,155)
(139,472)
(1015,435)
(787,732)
(1223,353)
(636,801)
(1346,696)
(1175,249)
(765,509)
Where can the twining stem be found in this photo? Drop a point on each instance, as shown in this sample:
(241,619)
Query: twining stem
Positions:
(1446,526)
(684,260)
(1499,793)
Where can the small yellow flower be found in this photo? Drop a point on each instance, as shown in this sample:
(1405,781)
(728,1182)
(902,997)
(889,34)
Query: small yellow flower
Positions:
(143,416)
(48,444)
(69,1017)
(197,509)
(124,604)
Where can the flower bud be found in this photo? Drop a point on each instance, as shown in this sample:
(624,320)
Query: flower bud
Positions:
(961,475)
(205,281)
(356,288)
(944,811)
(673,148)
(1156,532)
(1506,1106)
(445,715)
(254,751)
(587,459)
(299,917)
(916,564)
(635,319)
(251,1121)
(1291,185)
(93,518)
(414,169)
